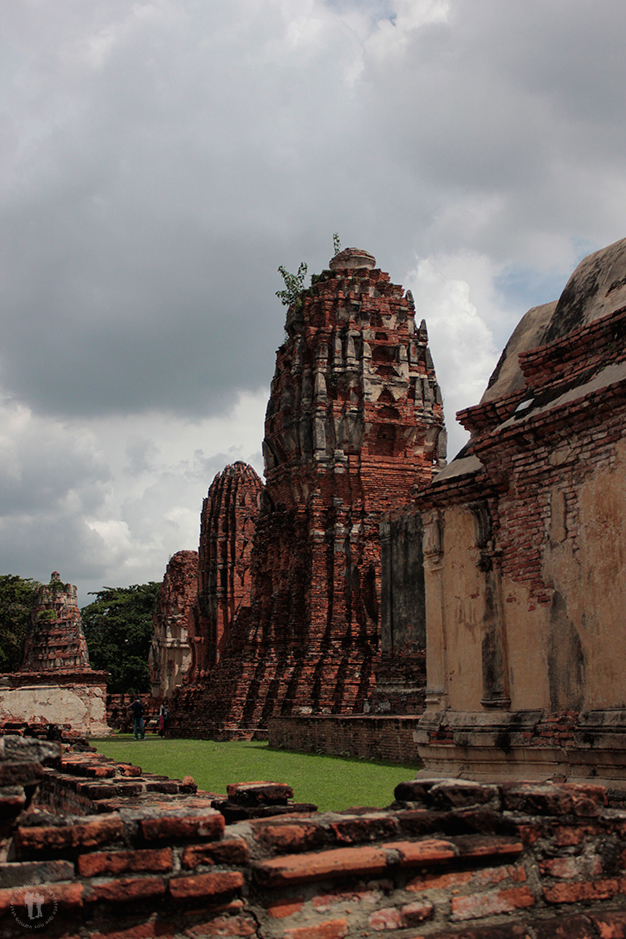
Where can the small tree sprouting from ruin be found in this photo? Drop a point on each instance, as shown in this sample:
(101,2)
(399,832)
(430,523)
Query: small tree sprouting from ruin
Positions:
(294,284)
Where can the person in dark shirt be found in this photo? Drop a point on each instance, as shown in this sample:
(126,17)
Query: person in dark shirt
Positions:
(138,724)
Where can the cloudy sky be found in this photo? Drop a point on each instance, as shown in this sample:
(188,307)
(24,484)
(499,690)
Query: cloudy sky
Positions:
(159,160)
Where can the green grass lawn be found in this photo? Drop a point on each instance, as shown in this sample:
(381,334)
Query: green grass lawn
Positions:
(331,782)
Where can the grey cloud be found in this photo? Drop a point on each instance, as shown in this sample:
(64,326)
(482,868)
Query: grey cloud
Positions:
(44,467)
(142,454)
(35,546)
(146,222)
(519,103)
(159,160)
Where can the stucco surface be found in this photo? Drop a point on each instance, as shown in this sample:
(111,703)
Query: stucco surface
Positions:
(529,333)
(82,706)
(592,575)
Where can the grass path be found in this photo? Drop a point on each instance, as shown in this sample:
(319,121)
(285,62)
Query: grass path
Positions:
(333,783)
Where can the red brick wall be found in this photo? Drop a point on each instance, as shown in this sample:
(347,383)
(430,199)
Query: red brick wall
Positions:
(370,737)
(448,859)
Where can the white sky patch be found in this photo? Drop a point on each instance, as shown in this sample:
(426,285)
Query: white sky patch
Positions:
(392,36)
(461,341)
(149,475)
(153,509)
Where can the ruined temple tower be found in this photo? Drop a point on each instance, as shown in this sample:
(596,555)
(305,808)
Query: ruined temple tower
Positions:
(55,640)
(55,683)
(354,423)
(227,525)
(170,652)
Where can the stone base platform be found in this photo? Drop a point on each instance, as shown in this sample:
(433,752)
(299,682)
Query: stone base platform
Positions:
(75,697)
(510,745)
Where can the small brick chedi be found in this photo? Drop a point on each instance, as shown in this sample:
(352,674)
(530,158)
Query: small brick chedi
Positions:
(354,423)
(55,683)
(170,652)
(524,548)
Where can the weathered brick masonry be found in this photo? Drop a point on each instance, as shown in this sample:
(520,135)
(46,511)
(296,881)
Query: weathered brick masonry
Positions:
(523,543)
(227,527)
(354,422)
(55,683)
(448,859)
(170,652)
(369,736)
(55,640)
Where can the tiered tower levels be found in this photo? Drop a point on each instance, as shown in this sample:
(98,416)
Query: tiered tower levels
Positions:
(55,639)
(354,423)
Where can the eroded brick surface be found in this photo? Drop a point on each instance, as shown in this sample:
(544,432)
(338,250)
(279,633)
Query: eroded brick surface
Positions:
(55,691)
(198,877)
(170,652)
(354,422)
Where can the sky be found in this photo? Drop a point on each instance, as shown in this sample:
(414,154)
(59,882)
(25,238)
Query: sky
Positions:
(159,160)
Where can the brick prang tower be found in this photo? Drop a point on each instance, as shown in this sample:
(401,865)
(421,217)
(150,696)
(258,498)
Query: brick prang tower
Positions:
(354,423)
(227,525)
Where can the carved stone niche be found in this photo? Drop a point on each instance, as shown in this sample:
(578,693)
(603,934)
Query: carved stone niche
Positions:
(432,539)
(494,658)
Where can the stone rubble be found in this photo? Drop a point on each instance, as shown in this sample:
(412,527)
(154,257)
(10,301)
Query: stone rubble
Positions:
(447,859)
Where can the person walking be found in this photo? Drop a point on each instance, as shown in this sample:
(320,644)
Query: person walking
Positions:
(139,726)
(163,715)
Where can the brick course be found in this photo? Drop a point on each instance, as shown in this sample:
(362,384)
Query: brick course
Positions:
(446,860)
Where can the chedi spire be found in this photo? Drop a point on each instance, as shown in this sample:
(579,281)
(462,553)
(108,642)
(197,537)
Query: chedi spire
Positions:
(55,639)
(353,424)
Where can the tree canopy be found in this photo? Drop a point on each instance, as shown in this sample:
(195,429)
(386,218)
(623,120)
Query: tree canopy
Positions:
(17,596)
(118,629)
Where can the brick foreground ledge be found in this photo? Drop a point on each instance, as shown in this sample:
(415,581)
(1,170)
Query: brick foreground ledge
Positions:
(448,858)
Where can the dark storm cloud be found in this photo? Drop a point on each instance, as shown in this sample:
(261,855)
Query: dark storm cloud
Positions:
(160,159)
(167,157)
(43,467)
(162,172)
(520,104)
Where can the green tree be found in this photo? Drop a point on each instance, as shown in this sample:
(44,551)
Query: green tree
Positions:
(118,629)
(17,596)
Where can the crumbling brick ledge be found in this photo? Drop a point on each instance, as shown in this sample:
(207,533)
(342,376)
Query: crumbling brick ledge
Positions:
(448,858)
